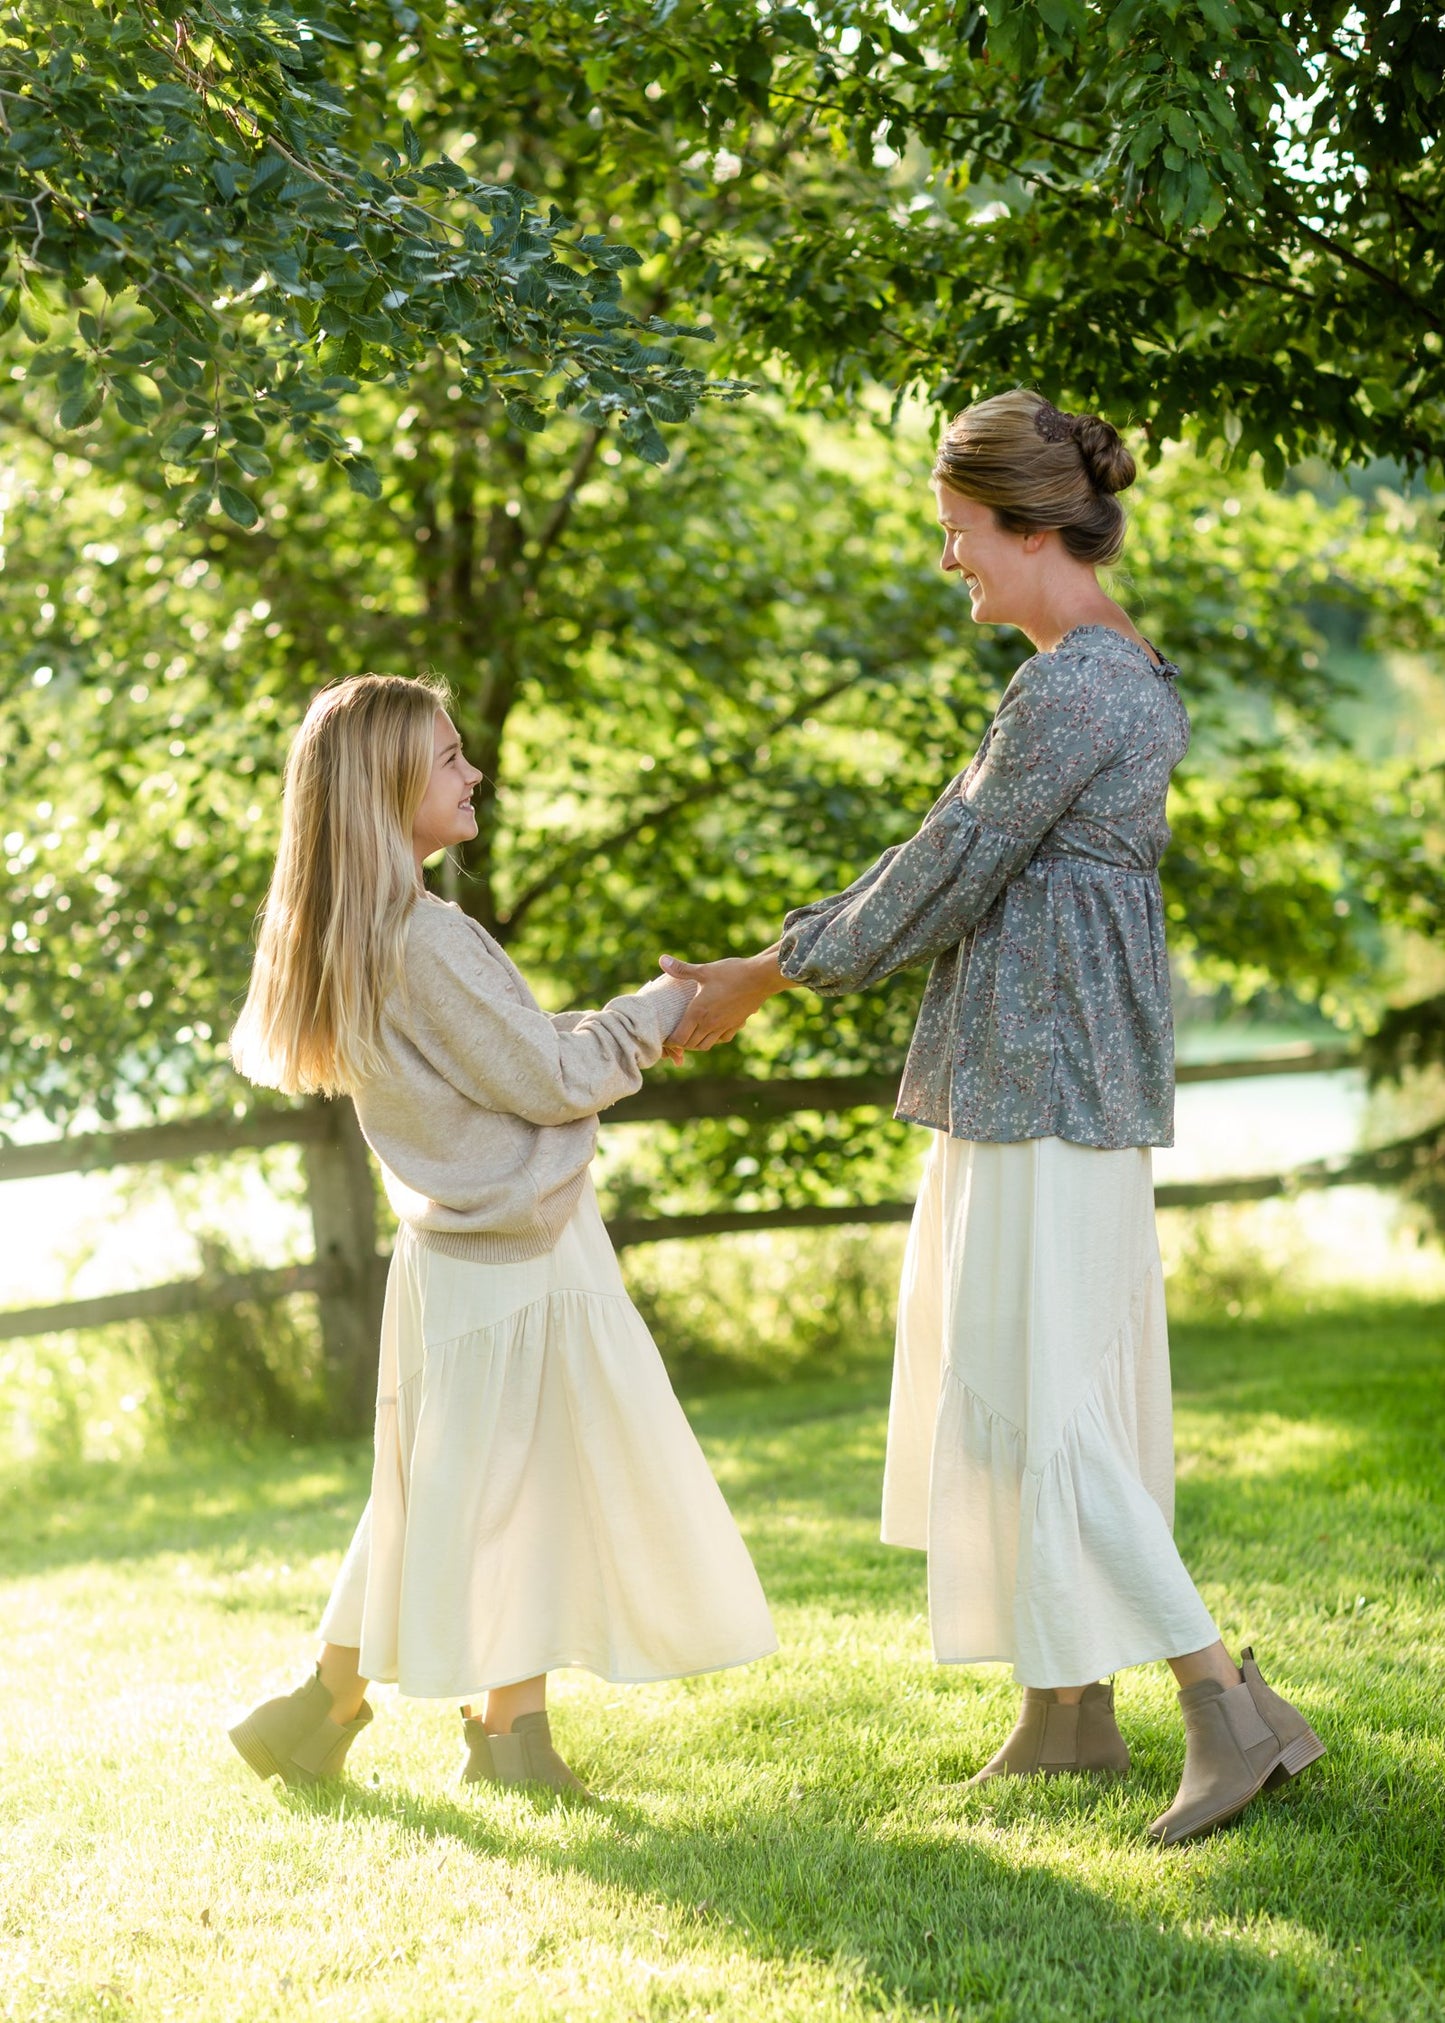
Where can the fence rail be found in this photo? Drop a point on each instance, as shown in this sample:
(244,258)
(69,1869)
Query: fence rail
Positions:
(677,1102)
(1385,1165)
(347,1272)
(182,1296)
(167,1144)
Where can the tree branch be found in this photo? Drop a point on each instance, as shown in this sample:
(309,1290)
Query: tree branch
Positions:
(719,776)
(1371,272)
(556,521)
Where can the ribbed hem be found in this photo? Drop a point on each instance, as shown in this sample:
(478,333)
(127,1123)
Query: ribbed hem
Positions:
(496,1246)
(675,996)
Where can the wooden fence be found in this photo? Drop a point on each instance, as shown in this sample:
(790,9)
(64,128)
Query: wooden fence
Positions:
(348,1273)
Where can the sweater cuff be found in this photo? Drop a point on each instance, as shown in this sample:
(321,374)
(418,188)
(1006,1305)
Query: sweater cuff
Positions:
(676,996)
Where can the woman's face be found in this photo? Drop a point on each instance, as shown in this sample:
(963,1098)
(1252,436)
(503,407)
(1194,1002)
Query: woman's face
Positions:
(446,814)
(996,566)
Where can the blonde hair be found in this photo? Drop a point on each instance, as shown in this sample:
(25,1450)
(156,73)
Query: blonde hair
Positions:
(1036,467)
(333,927)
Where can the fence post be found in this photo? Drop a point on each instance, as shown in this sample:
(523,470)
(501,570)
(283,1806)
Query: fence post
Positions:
(341,1194)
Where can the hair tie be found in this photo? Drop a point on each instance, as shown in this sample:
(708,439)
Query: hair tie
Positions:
(1054,426)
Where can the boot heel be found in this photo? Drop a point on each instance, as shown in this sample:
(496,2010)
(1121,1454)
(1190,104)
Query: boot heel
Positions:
(1304,1750)
(248,1742)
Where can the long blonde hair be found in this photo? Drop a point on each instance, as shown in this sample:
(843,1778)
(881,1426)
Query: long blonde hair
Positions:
(1037,467)
(333,927)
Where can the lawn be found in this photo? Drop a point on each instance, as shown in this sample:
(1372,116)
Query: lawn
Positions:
(787,1841)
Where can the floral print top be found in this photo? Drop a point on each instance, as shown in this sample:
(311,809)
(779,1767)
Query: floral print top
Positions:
(1033,887)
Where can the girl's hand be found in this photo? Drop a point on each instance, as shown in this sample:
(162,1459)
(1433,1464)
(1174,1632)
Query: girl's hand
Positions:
(728,994)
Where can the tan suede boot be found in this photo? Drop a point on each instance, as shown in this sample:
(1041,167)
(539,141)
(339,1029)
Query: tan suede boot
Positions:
(525,1756)
(1237,1740)
(294,1739)
(1050,1739)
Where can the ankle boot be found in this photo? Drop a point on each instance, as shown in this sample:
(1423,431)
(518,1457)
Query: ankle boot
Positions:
(1237,1740)
(525,1756)
(1050,1738)
(292,1738)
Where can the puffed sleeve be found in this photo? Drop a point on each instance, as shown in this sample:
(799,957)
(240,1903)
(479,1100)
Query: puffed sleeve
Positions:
(1048,740)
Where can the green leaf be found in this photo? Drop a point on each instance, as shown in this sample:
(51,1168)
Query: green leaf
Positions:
(255,463)
(523,414)
(1221,15)
(195,505)
(1123,20)
(236,506)
(649,445)
(1202,199)
(1060,17)
(1145,142)
(269,171)
(1173,193)
(80,409)
(178,447)
(791,24)
(1182,128)
(362,477)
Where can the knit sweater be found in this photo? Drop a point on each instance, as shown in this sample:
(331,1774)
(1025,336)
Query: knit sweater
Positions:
(485,1117)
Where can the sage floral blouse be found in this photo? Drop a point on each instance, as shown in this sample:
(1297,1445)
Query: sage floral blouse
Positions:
(1033,887)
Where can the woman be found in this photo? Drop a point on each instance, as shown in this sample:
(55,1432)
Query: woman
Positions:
(538,1498)
(1029,1439)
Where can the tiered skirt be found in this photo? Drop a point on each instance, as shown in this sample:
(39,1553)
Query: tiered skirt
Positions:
(538,1498)
(1030,1438)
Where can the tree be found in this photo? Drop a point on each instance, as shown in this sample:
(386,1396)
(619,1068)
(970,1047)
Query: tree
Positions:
(189,232)
(736,680)
(1225,220)
(1222,219)
(804,682)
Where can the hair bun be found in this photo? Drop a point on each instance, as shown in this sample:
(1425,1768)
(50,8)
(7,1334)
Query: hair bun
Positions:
(1108,464)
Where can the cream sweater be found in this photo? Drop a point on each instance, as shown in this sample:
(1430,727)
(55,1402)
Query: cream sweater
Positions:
(486,1117)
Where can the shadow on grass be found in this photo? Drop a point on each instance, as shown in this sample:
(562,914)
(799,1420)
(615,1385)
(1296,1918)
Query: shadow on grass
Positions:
(1361,1365)
(941,1921)
(1371,1372)
(267,1498)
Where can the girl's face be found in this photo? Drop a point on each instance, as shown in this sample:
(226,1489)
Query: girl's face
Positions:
(998,568)
(446,814)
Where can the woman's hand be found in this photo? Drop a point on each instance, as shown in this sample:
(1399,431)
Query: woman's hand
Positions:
(728,994)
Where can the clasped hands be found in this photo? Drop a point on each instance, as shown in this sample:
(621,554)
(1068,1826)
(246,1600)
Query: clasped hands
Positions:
(728,994)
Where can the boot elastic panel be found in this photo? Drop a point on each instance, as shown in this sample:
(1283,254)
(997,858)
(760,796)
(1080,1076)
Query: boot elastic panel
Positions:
(1199,1692)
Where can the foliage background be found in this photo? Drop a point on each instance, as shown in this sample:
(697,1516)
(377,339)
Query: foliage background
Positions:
(700,693)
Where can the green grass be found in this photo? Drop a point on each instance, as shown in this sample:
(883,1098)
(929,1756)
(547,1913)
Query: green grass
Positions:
(786,1841)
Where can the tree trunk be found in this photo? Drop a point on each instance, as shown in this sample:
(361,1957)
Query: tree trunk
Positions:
(341,1193)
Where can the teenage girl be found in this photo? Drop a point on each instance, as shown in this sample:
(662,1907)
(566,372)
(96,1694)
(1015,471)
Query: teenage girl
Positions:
(538,1498)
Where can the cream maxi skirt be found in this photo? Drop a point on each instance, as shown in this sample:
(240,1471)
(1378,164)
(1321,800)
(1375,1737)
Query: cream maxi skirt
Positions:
(538,1498)
(1030,1440)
